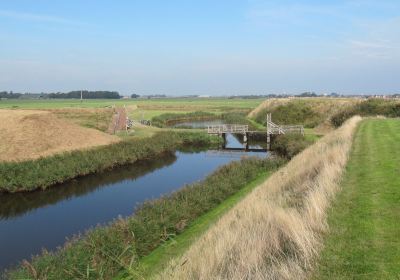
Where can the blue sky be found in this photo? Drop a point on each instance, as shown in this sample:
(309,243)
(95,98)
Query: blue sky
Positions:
(213,47)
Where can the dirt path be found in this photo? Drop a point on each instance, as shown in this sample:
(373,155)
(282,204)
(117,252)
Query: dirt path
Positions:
(118,121)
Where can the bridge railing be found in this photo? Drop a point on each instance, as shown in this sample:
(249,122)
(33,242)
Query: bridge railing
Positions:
(227,128)
(273,128)
(293,129)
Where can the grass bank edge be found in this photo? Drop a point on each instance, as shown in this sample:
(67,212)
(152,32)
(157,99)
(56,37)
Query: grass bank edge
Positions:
(48,171)
(103,251)
(153,263)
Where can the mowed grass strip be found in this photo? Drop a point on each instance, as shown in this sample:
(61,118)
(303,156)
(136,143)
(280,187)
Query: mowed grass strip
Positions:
(364,242)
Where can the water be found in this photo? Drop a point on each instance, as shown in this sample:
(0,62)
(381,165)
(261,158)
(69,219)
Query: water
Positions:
(44,219)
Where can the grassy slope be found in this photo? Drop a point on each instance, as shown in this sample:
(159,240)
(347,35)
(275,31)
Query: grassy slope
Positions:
(365,233)
(159,258)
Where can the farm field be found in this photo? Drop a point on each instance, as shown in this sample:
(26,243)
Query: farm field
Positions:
(149,107)
(364,239)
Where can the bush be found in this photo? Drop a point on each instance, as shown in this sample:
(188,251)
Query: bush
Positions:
(295,112)
(103,251)
(371,107)
(289,145)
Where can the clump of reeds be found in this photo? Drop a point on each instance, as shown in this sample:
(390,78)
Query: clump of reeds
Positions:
(275,232)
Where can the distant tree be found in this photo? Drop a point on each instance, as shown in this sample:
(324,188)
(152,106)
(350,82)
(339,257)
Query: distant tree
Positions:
(308,94)
(134,95)
(87,95)
(9,95)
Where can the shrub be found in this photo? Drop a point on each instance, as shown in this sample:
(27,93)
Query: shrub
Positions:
(289,145)
(371,107)
(295,112)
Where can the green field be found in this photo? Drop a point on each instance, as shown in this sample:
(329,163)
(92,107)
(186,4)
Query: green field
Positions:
(364,242)
(162,103)
(146,108)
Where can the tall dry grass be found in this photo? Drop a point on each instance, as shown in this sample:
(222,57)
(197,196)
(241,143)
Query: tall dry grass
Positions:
(275,232)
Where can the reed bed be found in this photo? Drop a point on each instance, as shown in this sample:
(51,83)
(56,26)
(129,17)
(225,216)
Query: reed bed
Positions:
(275,232)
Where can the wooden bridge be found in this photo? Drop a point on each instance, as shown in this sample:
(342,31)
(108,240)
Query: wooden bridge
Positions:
(272,129)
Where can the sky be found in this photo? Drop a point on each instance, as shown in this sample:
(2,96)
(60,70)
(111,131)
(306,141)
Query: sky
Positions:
(214,47)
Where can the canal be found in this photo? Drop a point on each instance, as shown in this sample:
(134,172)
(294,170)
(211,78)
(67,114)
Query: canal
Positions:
(31,222)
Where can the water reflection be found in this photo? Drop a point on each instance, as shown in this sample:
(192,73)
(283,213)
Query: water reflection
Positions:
(14,205)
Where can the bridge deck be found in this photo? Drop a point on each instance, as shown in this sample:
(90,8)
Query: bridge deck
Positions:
(227,128)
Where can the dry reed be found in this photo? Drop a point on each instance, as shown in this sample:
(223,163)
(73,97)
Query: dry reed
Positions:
(275,232)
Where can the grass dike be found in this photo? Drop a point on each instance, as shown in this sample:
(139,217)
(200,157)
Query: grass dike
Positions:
(275,232)
(363,242)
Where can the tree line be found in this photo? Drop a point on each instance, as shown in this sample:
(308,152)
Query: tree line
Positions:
(103,94)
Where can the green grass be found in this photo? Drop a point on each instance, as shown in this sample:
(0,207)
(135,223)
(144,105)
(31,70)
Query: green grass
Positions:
(186,104)
(364,242)
(159,258)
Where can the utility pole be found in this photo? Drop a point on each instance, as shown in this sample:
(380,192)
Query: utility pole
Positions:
(81,96)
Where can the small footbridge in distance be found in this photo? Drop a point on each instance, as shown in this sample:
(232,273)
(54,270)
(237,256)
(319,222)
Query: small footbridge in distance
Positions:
(271,129)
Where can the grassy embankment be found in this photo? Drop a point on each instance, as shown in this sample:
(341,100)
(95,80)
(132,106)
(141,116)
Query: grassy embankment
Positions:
(275,231)
(104,251)
(310,112)
(44,172)
(364,237)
